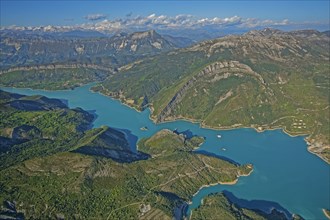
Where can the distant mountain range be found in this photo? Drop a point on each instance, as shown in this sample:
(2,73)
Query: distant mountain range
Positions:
(23,48)
(203,29)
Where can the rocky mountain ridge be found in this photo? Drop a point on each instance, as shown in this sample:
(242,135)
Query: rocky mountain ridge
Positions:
(214,72)
(22,50)
(58,66)
(270,44)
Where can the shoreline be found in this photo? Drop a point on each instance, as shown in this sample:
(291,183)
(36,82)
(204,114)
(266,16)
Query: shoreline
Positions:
(227,128)
(325,213)
(249,173)
(115,99)
(321,157)
(233,182)
(200,122)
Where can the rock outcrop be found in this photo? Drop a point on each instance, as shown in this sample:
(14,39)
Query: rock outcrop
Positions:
(110,143)
(214,72)
(57,66)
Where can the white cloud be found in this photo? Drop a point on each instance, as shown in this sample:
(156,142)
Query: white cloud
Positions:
(219,21)
(166,22)
(254,23)
(151,16)
(95,17)
(181,21)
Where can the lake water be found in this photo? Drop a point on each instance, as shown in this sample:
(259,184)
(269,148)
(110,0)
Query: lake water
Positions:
(285,174)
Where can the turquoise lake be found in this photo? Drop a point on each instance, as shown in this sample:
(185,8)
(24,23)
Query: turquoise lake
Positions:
(285,174)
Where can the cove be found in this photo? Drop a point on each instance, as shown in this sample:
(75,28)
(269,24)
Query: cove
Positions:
(285,173)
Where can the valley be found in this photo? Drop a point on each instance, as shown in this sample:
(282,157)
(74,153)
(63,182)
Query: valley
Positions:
(70,150)
(265,151)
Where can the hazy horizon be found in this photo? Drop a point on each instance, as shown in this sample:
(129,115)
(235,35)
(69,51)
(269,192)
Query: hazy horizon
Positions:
(166,15)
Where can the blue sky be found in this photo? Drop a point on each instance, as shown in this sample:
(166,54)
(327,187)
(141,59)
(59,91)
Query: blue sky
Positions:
(35,13)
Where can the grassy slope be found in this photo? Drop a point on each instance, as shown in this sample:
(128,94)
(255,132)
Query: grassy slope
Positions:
(54,136)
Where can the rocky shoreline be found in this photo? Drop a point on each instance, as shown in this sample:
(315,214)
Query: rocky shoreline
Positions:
(326,213)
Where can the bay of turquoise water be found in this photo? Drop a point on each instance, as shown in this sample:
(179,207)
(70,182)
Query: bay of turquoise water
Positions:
(285,174)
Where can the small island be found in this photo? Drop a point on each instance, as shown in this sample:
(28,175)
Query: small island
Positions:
(145,128)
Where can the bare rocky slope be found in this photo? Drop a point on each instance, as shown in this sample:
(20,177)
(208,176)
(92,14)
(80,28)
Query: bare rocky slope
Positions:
(52,62)
(29,50)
